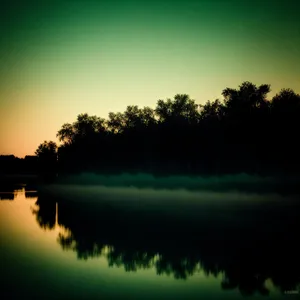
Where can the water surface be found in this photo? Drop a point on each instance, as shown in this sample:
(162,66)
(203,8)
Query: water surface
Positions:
(91,242)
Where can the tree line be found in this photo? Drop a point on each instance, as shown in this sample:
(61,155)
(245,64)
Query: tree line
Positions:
(244,132)
(10,164)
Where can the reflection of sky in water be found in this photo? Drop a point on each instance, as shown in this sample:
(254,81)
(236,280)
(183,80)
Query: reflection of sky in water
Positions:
(32,262)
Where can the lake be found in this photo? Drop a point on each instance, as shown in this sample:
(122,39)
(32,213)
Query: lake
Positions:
(103,242)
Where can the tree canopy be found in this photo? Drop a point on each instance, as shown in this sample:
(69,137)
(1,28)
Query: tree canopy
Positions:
(243,132)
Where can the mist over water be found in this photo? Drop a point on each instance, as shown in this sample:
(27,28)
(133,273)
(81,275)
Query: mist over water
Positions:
(237,182)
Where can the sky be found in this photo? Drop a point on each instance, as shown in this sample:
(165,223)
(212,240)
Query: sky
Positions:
(60,58)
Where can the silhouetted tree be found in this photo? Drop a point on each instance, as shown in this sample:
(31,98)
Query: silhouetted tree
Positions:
(10,164)
(47,158)
(244,132)
(285,122)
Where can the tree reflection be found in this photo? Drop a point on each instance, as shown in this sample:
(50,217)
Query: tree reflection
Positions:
(45,212)
(7,196)
(247,254)
(8,191)
(31,194)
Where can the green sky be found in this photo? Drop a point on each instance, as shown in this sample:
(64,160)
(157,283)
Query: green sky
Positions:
(60,58)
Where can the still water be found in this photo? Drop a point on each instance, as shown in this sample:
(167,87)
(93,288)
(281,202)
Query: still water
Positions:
(91,242)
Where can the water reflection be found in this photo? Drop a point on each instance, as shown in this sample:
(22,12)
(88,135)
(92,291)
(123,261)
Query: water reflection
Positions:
(7,196)
(45,212)
(8,192)
(218,240)
(31,194)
